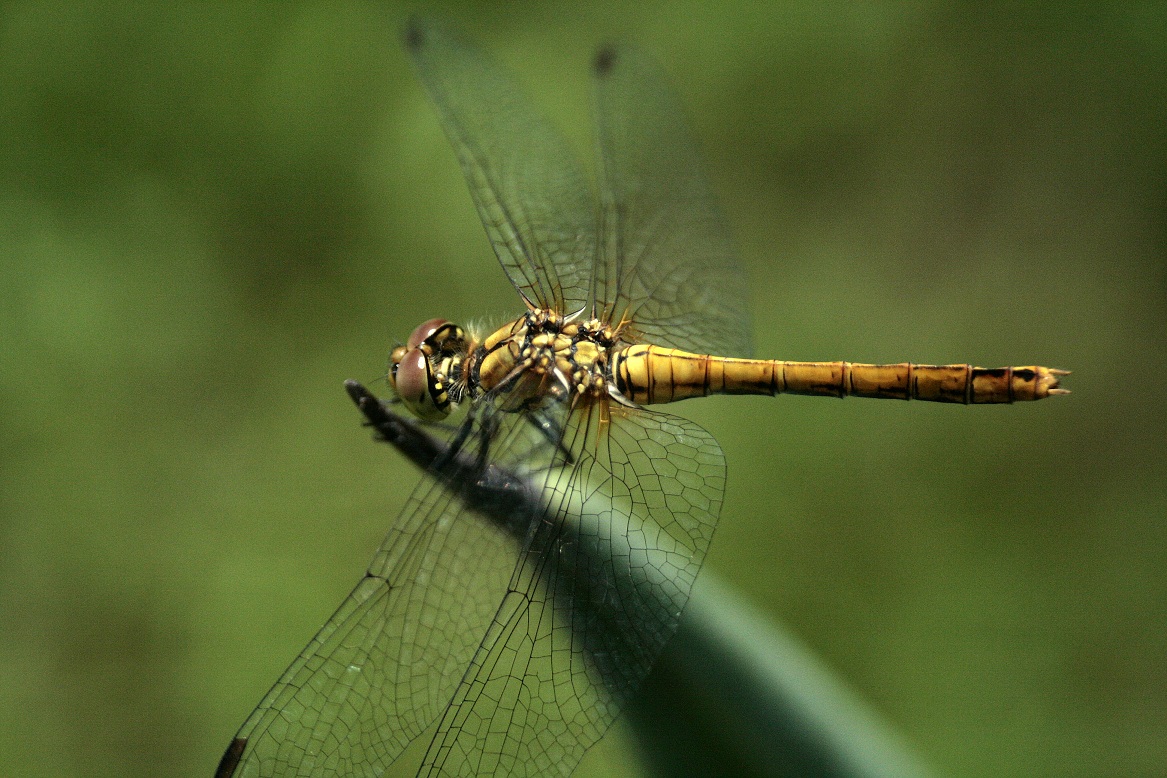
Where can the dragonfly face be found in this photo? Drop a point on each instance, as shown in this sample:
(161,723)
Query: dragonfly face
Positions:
(426,372)
(544,560)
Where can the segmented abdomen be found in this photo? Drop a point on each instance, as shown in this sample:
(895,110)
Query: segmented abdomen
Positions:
(648,375)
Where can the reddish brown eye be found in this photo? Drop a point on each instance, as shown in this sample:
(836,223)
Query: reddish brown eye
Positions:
(423,331)
(413,379)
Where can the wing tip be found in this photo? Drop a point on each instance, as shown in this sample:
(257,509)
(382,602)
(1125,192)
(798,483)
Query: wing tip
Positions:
(231,758)
(604,61)
(414,34)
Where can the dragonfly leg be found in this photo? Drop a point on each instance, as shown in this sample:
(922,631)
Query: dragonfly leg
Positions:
(454,447)
(552,432)
(487,429)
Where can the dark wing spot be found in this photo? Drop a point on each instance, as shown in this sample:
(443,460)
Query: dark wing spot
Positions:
(414,37)
(605,59)
(231,758)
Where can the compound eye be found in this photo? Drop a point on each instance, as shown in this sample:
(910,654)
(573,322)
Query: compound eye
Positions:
(414,384)
(413,379)
(423,331)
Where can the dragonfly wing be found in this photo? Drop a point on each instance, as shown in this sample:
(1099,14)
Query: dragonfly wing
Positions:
(666,262)
(387,663)
(534,202)
(598,591)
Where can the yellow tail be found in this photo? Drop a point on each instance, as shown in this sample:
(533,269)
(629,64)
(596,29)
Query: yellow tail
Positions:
(650,374)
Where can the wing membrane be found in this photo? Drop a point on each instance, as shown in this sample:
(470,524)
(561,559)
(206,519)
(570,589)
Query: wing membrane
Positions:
(534,202)
(607,550)
(543,562)
(598,591)
(666,260)
(389,660)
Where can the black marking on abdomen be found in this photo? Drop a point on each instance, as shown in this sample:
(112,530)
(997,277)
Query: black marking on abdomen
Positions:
(618,377)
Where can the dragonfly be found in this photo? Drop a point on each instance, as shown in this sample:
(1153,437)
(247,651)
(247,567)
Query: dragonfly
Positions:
(544,560)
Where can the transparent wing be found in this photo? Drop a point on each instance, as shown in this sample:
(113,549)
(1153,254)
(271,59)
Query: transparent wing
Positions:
(666,261)
(389,660)
(607,551)
(534,203)
(598,592)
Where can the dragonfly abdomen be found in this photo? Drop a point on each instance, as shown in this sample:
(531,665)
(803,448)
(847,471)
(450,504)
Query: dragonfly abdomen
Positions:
(650,374)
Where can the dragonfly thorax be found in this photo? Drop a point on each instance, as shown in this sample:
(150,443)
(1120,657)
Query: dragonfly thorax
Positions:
(537,357)
(542,356)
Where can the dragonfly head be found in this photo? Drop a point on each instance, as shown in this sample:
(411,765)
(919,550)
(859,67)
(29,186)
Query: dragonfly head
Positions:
(418,371)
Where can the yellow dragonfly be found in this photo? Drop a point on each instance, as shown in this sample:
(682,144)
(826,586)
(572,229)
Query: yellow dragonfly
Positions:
(545,558)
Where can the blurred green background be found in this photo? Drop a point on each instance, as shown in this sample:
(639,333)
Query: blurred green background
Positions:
(211,215)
